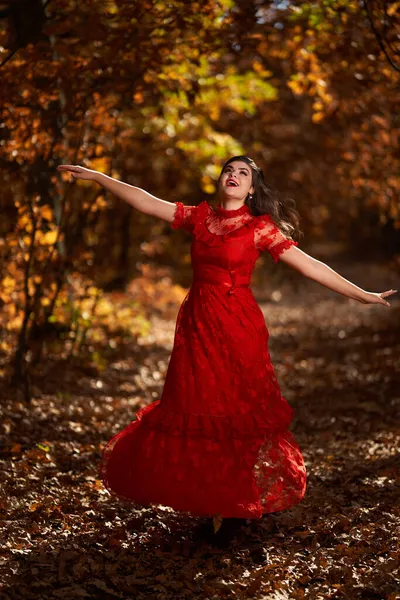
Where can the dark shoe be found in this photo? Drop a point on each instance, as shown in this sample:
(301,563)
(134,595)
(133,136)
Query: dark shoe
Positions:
(229,529)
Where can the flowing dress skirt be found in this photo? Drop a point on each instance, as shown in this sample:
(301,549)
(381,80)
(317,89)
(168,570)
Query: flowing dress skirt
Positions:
(217,441)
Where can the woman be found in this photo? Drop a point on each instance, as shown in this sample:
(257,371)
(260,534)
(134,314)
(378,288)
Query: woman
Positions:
(217,441)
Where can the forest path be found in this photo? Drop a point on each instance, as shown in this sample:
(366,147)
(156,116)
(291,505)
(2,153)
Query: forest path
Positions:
(338,364)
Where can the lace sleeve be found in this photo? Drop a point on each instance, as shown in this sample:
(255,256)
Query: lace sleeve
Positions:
(268,237)
(184,217)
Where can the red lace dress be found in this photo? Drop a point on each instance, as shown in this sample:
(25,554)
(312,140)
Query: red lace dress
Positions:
(217,441)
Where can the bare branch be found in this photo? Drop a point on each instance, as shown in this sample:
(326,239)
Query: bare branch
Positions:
(382,40)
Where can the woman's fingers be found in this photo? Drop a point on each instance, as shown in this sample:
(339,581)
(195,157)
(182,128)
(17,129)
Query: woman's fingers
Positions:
(75,168)
(379,298)
(384,294)
(77,171)
(388,293)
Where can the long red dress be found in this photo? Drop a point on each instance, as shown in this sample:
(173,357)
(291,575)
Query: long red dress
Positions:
(217,441)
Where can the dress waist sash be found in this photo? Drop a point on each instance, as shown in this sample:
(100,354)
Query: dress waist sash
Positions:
(219,276)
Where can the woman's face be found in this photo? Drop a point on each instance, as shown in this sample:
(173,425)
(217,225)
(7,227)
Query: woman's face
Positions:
(236,181)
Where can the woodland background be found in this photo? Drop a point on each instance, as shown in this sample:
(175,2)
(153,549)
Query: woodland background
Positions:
(159,94)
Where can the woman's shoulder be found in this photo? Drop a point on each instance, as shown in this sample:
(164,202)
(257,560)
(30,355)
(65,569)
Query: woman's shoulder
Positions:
(203,209)
(262,220)
(205,206)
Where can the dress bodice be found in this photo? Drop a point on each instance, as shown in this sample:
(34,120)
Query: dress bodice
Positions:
(229,239)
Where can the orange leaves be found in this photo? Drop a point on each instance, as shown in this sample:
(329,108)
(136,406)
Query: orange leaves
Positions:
(296,84)
(101,164)
(163,92)
(312,79)
(62,531)
(7,285)
(46,212)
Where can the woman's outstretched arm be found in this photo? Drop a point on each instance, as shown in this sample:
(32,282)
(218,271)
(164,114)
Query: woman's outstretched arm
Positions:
(323,274)
(138,198)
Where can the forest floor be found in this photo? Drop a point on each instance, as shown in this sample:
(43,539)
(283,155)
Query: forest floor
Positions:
(338,363)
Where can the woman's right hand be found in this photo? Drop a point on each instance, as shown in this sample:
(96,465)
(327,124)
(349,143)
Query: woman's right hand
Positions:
(79,172)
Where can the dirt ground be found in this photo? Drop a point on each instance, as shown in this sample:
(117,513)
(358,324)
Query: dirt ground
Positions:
(338,364)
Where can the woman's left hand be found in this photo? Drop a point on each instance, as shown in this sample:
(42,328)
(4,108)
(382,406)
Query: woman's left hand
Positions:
(375,298)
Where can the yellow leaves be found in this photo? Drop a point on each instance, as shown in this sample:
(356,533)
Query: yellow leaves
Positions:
(24,220)
(317,117)
(258,67)
(8,284)
(209,188)
(393,9)
(296,85)
(241,93)
(14,324)
(46,212)
(214,112)
(31,287)
(312,79)
(111,7)
(49,238)
(101,164)
(207,185)
(93,291)
(44,447)
(100,203)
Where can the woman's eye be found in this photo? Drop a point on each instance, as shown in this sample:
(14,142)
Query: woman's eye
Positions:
(229,170)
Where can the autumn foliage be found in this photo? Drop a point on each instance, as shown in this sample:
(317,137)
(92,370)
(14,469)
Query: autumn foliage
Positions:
(159,94)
